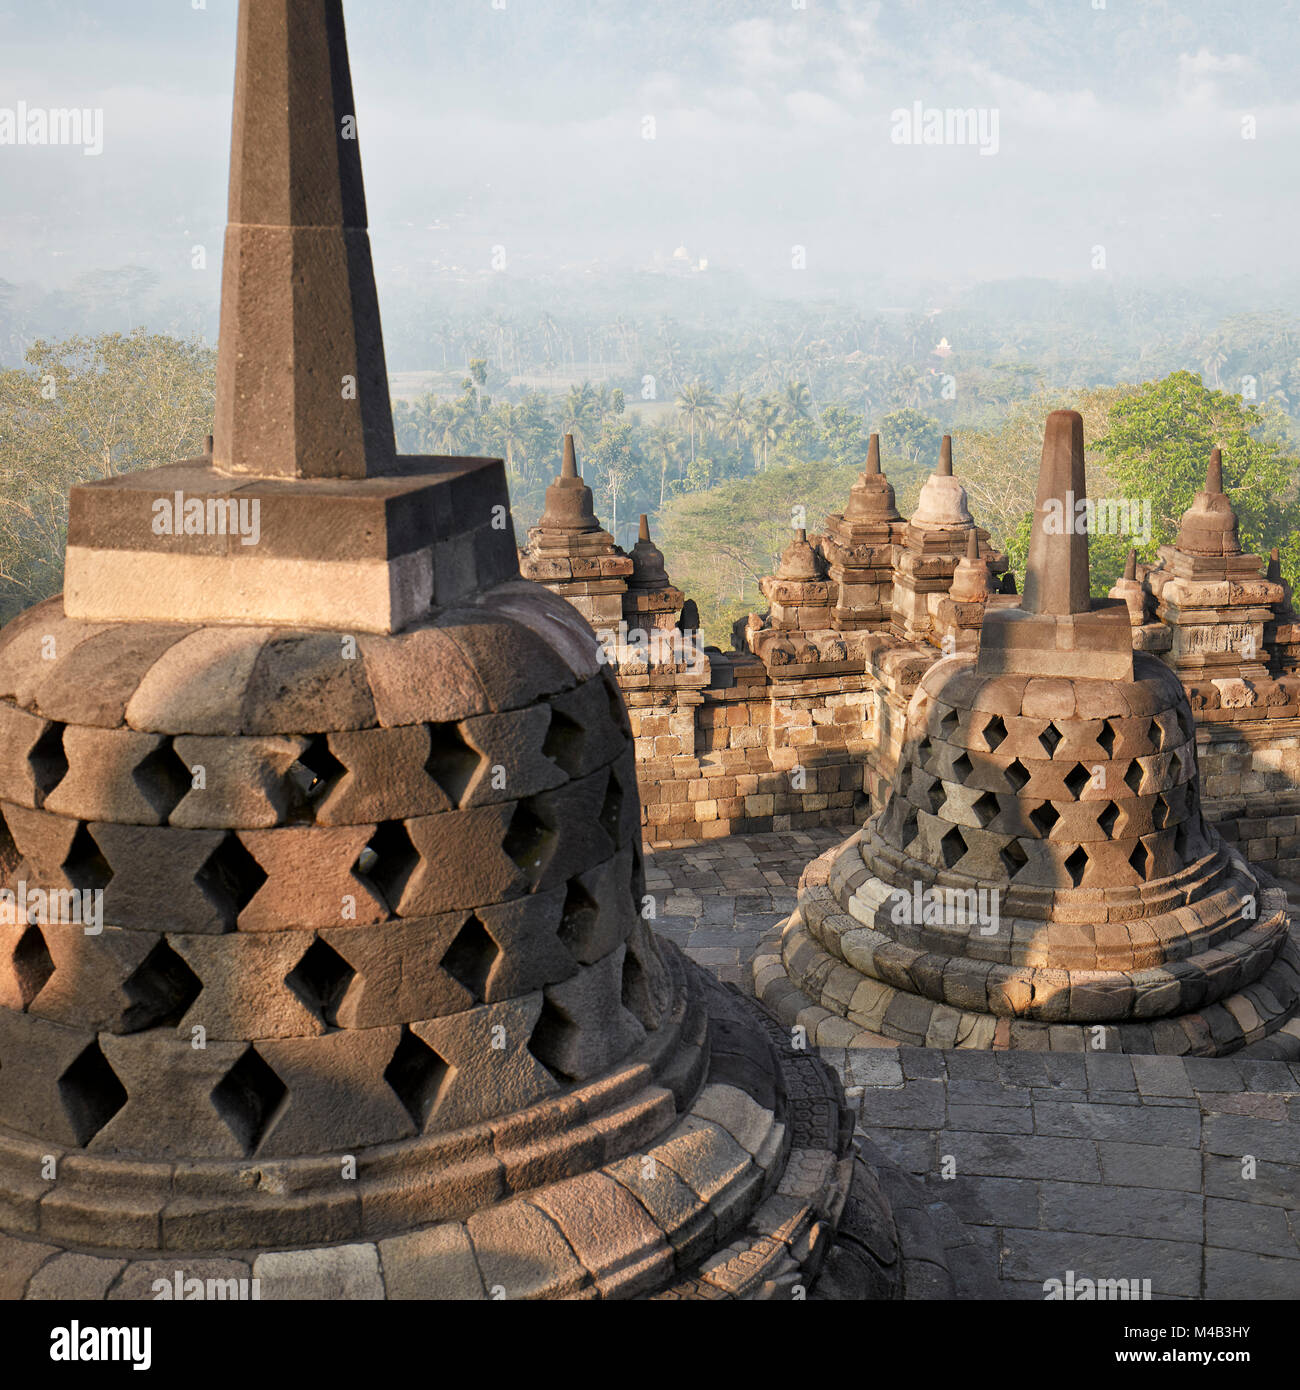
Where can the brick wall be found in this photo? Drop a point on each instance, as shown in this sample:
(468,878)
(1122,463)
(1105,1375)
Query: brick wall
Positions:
(754,752)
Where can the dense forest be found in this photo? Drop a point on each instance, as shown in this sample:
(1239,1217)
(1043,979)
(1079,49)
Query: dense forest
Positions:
(719,426)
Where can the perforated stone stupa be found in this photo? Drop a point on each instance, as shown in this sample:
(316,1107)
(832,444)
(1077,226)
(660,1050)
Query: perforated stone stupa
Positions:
(373,1009)
(1041,875)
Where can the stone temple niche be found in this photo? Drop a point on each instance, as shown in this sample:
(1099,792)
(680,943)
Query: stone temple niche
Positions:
(375,1009)
(1041,875)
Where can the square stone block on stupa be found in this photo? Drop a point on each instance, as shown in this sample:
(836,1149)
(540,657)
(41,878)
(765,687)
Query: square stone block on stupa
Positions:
(1041,875)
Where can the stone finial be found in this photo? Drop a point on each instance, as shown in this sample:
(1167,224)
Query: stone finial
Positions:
(871,498)
(1056,576)
(798,559)
(970,580)
(942,502)
(690,618)
(569,507)
(1131,591)
(873,456)
(945,457)
(1209,525)
(648,569)
(1058,629)
(302,385)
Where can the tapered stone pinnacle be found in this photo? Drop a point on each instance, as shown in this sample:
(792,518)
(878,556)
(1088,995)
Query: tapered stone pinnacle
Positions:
(873,455)
(973,546)
(302,385)
(569,464)
(1056,576)
(1274,567)
(945,457)
(1131,565)
(643,533)
(1209,525)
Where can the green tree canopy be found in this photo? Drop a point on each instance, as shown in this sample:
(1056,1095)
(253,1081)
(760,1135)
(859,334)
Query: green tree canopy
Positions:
(84,409)
(1157,447)
(911,433)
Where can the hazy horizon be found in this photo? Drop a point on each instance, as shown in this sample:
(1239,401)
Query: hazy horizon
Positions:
(522,128)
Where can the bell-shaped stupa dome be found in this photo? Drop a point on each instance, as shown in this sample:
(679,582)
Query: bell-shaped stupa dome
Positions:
(1041,867)
(334,967)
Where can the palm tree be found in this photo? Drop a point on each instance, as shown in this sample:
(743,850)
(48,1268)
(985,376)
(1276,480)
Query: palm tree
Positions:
(795,402)
(452,426)
(579,411)
(698,406)
(671,348)
(770,359)
(510,433)
(766,420)
(661,448)
(734,419)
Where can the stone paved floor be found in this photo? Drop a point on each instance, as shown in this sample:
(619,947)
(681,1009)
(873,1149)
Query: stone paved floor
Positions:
(1184,1171)
(718,899)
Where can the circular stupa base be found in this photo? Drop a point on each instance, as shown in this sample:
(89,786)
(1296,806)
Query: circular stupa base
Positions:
(716,1164)
(849,986)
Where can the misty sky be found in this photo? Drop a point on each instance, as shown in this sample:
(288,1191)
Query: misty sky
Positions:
(522,126)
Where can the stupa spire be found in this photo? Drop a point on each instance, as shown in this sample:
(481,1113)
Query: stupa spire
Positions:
(945,457)
(569,463)
(302,386)
(1056,576)
(1209,525)
(873,456)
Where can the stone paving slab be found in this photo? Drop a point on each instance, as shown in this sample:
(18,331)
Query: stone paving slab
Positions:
(1201,1197)
(721,899)
(1181,1170)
